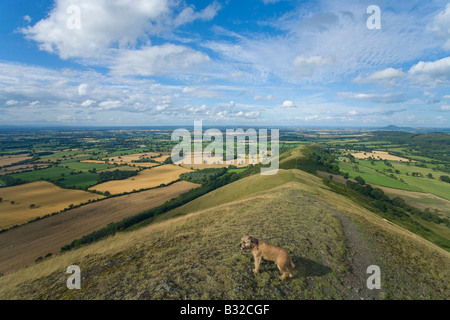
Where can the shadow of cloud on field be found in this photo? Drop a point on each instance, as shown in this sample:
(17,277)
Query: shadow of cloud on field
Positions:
(309,268)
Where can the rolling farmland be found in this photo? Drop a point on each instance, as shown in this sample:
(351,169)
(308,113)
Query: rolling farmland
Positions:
(21,246)
(26,202)
(148,178)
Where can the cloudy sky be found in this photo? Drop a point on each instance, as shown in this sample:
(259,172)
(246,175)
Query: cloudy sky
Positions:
(226,62)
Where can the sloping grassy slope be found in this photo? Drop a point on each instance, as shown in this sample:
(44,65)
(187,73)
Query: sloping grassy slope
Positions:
(249,186)
(196,256)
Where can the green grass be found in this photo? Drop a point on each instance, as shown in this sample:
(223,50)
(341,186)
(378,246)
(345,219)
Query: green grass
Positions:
(48,173)
(64,154)
(237,190)
(237,170)
(60,175)
(83,180)
(367,171)
(434,186)
(373,177)
(86,166)
(124,152)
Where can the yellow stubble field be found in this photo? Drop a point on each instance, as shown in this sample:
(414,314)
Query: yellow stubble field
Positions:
(147,178)
(26,202)
(8,160)
(378,155)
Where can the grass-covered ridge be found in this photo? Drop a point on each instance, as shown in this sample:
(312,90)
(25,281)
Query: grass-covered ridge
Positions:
(196,255)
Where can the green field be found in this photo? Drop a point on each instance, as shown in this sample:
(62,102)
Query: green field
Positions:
(86,166)
(422,181)
(60,175)
(373,177)
(83,180)
(237,170)
(43,174)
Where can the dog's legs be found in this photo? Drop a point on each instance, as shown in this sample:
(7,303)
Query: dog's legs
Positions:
(285,269)
(257,263)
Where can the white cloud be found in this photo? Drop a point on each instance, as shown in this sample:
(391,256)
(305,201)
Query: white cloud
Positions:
(112,34)
(386,74)
(109,104)
(261,98)
(188,14)
(157,60)
(374,97)
(252,114)
(288,104)
(436,71)
(199,92)
(237,74)
(27,19)
(197,110)
(441,26)
(161,107)
(82,89)
(308,118)
(103,24)
(307,66)
(445,107)
(65,118)
(314,61)
(11,102)
(270,1)
(87,103)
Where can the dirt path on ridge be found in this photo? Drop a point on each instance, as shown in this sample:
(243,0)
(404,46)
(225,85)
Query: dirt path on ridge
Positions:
(359,256)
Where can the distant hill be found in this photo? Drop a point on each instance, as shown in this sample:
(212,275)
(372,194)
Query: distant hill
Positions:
(192,252)
(395,128)
(413,129)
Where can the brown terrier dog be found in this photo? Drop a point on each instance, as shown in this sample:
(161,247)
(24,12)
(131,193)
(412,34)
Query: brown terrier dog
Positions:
(262,249)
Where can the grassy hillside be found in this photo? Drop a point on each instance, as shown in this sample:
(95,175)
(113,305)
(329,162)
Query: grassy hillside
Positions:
(195,254)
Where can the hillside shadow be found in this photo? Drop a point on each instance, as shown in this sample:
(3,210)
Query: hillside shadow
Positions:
(309,268)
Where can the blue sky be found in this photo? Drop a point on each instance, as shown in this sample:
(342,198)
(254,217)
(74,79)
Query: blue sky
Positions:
(226,62)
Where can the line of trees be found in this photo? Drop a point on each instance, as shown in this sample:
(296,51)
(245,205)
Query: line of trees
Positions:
(396,206)
(115,175)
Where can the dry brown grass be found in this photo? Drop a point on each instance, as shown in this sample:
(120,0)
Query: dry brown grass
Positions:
(378,155)
(93,161)
(240,163)
(20,168)
(149,178)
(161,158)
(7,160)
(36,199)
(131,157)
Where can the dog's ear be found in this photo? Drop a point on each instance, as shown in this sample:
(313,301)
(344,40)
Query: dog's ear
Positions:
(251,239)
